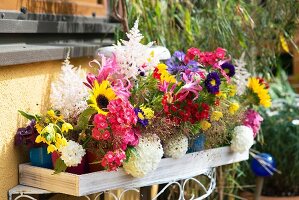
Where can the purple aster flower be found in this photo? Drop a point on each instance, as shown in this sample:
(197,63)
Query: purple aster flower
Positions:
(228,68)
(140,117)
(213,82)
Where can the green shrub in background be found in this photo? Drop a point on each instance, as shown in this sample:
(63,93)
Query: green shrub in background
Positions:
(280,132)
(255,27)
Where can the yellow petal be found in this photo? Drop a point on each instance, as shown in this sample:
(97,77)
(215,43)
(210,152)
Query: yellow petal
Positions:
(38,139)
(205,125)
(66,127)
(51,113)
(64,142)
(284,44)
(51,148)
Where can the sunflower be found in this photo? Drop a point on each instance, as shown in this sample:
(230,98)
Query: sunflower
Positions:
(260,90)
(100,96)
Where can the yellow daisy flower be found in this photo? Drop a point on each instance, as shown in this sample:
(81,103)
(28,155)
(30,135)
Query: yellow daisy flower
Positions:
(100,96)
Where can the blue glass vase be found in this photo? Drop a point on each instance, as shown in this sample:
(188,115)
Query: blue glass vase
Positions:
(197,144)
(40,158)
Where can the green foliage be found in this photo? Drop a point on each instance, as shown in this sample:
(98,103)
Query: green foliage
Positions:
(29,116)
(129,152)
(60,166)
(252,27)
(84,118)
(281,137)
(147,93)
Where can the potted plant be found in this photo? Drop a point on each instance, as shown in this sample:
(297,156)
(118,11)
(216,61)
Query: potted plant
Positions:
(26,136)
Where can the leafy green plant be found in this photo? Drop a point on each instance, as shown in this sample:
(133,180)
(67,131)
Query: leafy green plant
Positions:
(280,138)
(281,135)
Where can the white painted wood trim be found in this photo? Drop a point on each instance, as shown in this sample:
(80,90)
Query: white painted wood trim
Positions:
(169,170)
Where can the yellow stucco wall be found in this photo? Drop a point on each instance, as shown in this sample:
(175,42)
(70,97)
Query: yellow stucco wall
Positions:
(24,87)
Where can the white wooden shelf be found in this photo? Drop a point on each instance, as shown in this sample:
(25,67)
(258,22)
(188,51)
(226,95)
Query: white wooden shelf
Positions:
(169,170)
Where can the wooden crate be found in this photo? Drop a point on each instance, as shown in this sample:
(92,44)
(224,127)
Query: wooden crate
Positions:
(169,170)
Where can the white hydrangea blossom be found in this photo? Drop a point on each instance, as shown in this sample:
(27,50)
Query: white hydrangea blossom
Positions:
(242,139)
(72,154)
(176,146)
(148,154)
(134,57)
(68,93)
(241,76)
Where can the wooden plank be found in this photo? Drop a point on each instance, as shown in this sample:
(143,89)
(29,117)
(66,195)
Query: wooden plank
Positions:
(169,170)
(44,178)
(78,7)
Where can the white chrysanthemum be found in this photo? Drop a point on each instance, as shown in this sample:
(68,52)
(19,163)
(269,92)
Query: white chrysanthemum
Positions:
(134,57)
(72,154)
(68,93)
(147,157)
(176,146)
(242,139)
(241,75)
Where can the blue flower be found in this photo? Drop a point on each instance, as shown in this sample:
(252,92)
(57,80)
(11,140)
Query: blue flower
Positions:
(228,68)
(175,63)
(193,66)
(213,82)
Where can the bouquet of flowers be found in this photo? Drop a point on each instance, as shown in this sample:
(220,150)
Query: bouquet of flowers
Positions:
(130,110)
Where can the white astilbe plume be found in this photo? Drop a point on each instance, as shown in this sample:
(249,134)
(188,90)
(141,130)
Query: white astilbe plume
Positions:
(134,57)
(68,93)
(241,76)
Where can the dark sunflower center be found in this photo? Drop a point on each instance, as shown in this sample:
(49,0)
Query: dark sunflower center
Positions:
(102,102)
